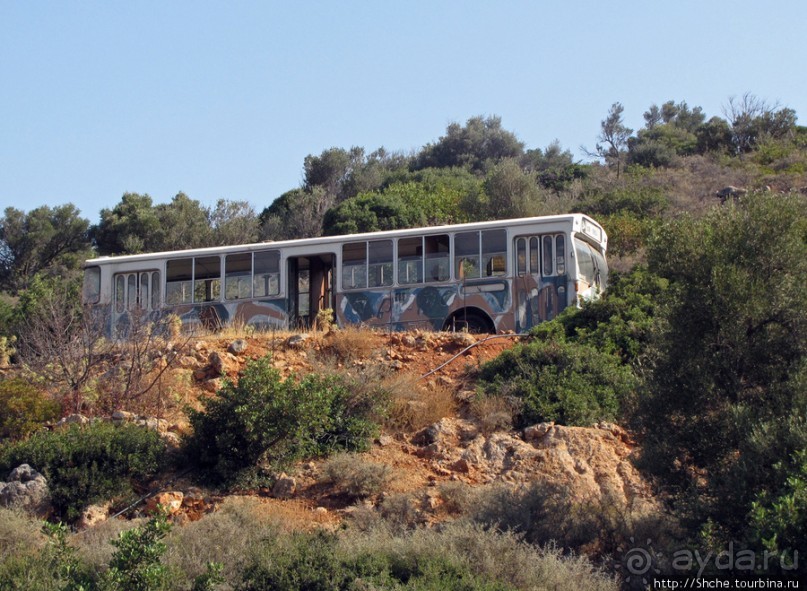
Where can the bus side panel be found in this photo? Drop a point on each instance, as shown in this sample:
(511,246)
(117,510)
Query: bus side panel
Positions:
(426,307)
(261,314)
(539,299)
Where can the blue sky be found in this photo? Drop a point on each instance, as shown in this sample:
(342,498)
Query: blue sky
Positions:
(225,99)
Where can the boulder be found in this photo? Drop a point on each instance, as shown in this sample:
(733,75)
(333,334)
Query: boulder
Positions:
(297,341)
(216,363)
(237,347)
(284,487)
(122,416)
(26,489)
(171,501)
(74,419)
(93,515)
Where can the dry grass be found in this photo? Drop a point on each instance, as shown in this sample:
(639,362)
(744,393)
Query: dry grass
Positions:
(19,533)
(355,477)
(229,536)
(494,413)
(350,343)
(413,405)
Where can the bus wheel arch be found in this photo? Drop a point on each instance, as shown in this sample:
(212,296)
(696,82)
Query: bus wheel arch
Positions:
(473,319)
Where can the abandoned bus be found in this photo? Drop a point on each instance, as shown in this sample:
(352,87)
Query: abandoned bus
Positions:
(495,276)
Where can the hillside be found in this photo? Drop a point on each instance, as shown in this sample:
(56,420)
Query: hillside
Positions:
(445,442)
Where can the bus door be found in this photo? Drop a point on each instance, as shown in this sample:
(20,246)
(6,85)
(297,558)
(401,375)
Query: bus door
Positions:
(310,288)
(137,293)
(542,278)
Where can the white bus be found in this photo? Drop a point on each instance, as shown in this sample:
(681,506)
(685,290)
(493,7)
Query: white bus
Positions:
(497,276)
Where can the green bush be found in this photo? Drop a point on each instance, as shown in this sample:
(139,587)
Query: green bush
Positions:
(642,202)
(565,382)
(316,562)
(265,419)
(622,322)
(24,409)
(724,410)
(89,463)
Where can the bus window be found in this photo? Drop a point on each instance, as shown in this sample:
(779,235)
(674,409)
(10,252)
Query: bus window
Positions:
(521,256)
(380,263)
(547,259)
(466,255)
(560,254)
(438,266)
(535,255)
(266,281)
(143,299)
(354,265)
(91,291)
(178,277)
(410,260)
(156,286)
(494,252)
(238,276)
(120,294)
(206,279)
(131,291)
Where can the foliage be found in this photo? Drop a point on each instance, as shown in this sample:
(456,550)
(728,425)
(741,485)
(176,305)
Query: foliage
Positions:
(372,213)
(566,382)
(314,561)
(623,322)
(24,408)
(613,138)
(728,390)
(256,554)
(265,419)
(778,518)
(86,464)
(554,167)
(480,141)
(638,201)
(45,238)
(135,565)
(298,213)
(137,225)
(510,192)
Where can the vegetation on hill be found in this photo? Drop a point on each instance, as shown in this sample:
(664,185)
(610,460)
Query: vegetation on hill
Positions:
(698,346)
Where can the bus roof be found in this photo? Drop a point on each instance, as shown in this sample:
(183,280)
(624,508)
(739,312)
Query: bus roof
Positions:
(302,242)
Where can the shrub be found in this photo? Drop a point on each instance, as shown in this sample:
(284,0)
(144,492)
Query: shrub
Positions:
(24,408)
(354,477)
(265,419)
(622,322)
(565,382)
(135,564)
(87,464)
(323,561)
(727,394)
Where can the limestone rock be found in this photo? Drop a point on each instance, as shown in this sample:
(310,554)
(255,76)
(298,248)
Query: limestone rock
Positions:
(74,419)
(93,515)
(171,501)
(285,486)
(237,347)
(26,489)
(297,341)
(122,416)
(216,363)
